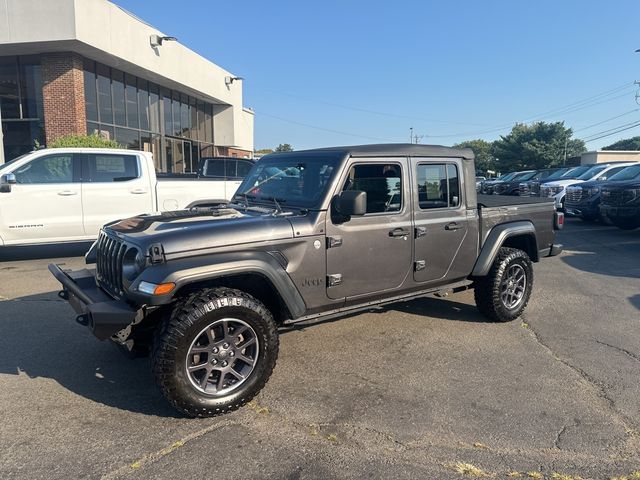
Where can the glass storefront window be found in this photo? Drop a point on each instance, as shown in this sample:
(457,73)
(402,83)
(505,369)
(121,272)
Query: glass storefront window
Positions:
(105,109)
(9,94)
(131,98)
(176,114)
(128,138)
(143,104)
(194,119)
(90,91)
(185,117)
(154,108)
(117,87)
(20,137)
(166,107)
(31,87)
(208,123)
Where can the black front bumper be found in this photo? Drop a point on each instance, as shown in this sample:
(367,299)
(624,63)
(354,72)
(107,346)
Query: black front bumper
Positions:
(103,315)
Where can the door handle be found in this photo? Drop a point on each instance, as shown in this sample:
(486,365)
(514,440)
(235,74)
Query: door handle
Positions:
(67,193)
(139,191)
(452,226)
(398,232)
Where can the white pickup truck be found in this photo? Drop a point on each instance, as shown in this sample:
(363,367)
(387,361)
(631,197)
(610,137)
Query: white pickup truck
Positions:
(68,194)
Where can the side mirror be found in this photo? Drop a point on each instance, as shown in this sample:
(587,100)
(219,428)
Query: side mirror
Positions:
(351,202)
(6,181)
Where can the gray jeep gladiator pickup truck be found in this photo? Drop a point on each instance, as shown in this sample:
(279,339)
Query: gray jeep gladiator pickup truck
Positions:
(309,235)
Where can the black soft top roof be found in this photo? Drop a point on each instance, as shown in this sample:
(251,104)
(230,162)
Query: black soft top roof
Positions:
(394,149)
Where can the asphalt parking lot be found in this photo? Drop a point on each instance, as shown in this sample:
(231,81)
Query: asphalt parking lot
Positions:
(424,389)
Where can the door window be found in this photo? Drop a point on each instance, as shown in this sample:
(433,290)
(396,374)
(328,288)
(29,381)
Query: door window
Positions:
(438,186)
(107,168)
(381,181)
(49,169)
(243,168)
(215,168)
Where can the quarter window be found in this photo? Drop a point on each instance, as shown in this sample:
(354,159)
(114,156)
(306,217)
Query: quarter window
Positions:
(382,182)
(438,186)
(111,168)
(49,169)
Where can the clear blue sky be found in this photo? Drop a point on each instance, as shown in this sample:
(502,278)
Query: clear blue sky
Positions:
(346,72)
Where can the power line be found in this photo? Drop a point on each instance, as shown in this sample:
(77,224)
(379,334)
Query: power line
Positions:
(611,129)
(605,121)
(613,133)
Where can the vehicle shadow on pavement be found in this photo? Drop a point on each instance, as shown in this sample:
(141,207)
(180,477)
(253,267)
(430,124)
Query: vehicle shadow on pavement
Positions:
(440,308)
(34,252)
(605,251)
(40,339)
(635,301)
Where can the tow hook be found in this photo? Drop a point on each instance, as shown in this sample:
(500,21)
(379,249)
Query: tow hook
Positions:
(63,294)
(83,320)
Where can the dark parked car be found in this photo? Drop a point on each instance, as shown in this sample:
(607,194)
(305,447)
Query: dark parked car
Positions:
(532,186)
(486,188)
(309,235)
(583,199)
(510,187)
(621,204)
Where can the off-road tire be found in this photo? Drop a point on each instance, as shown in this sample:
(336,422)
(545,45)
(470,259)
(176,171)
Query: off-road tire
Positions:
(487,290)
(181,328)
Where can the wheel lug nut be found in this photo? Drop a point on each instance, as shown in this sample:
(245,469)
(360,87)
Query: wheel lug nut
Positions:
(215,350)
(231,353)
(224,364)
(214,361)
(226,345)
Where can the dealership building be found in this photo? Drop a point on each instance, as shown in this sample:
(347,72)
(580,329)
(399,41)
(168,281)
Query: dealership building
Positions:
(89,66)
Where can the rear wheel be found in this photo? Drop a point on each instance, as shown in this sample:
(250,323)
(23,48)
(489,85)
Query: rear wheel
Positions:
(503,294)
(215,352)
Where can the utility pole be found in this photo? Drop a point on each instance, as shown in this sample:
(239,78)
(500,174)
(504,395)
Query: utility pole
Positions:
(566,140)
(410,134)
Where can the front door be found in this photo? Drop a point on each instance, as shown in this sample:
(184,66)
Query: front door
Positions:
(440,218)
(113,187)
(44,205)
(371,253)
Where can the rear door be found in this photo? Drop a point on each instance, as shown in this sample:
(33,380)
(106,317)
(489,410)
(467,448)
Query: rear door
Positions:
(45,204)
(440,218)
(114,186)
(371,253)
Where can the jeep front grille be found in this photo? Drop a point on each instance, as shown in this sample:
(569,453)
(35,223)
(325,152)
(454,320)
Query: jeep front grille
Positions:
(109,254)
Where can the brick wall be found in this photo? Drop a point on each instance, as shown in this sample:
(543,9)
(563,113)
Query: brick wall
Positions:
(63,95)
(233,152)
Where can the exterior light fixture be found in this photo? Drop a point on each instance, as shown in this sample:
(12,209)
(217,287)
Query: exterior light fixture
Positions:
(156,40)
(229,80)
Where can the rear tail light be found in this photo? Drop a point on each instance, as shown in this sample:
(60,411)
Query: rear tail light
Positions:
(558,221)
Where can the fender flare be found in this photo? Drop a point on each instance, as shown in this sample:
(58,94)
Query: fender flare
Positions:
(496,239)
(190,270)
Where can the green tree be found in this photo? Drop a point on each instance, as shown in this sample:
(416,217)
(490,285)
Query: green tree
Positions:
(625,144)
(483,150)
(84,141)
(284,147)
(264,151)
(538,145)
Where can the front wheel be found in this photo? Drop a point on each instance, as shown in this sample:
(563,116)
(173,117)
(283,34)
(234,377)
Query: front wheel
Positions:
(215,352)
(503,294)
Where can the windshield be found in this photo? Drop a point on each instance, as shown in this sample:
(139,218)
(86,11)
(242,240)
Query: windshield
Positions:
(557,174)
(526,176)
(575,172)
(628,173)
(506,177)
(294,180)
(592,172)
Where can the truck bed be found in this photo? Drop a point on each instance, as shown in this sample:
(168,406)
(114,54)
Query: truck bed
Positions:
(497,209)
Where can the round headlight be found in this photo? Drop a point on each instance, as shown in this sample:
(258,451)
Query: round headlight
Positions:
(133,263)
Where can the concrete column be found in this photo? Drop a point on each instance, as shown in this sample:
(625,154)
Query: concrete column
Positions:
(63,95)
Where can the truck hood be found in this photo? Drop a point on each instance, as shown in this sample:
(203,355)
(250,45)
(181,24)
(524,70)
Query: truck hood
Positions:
(187,230)
(562,183)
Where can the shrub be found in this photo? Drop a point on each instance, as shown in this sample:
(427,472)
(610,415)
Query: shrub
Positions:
(84,141)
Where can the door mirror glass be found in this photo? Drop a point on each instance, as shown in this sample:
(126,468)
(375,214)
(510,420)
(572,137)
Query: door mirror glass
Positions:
(351,202)
(6,181)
